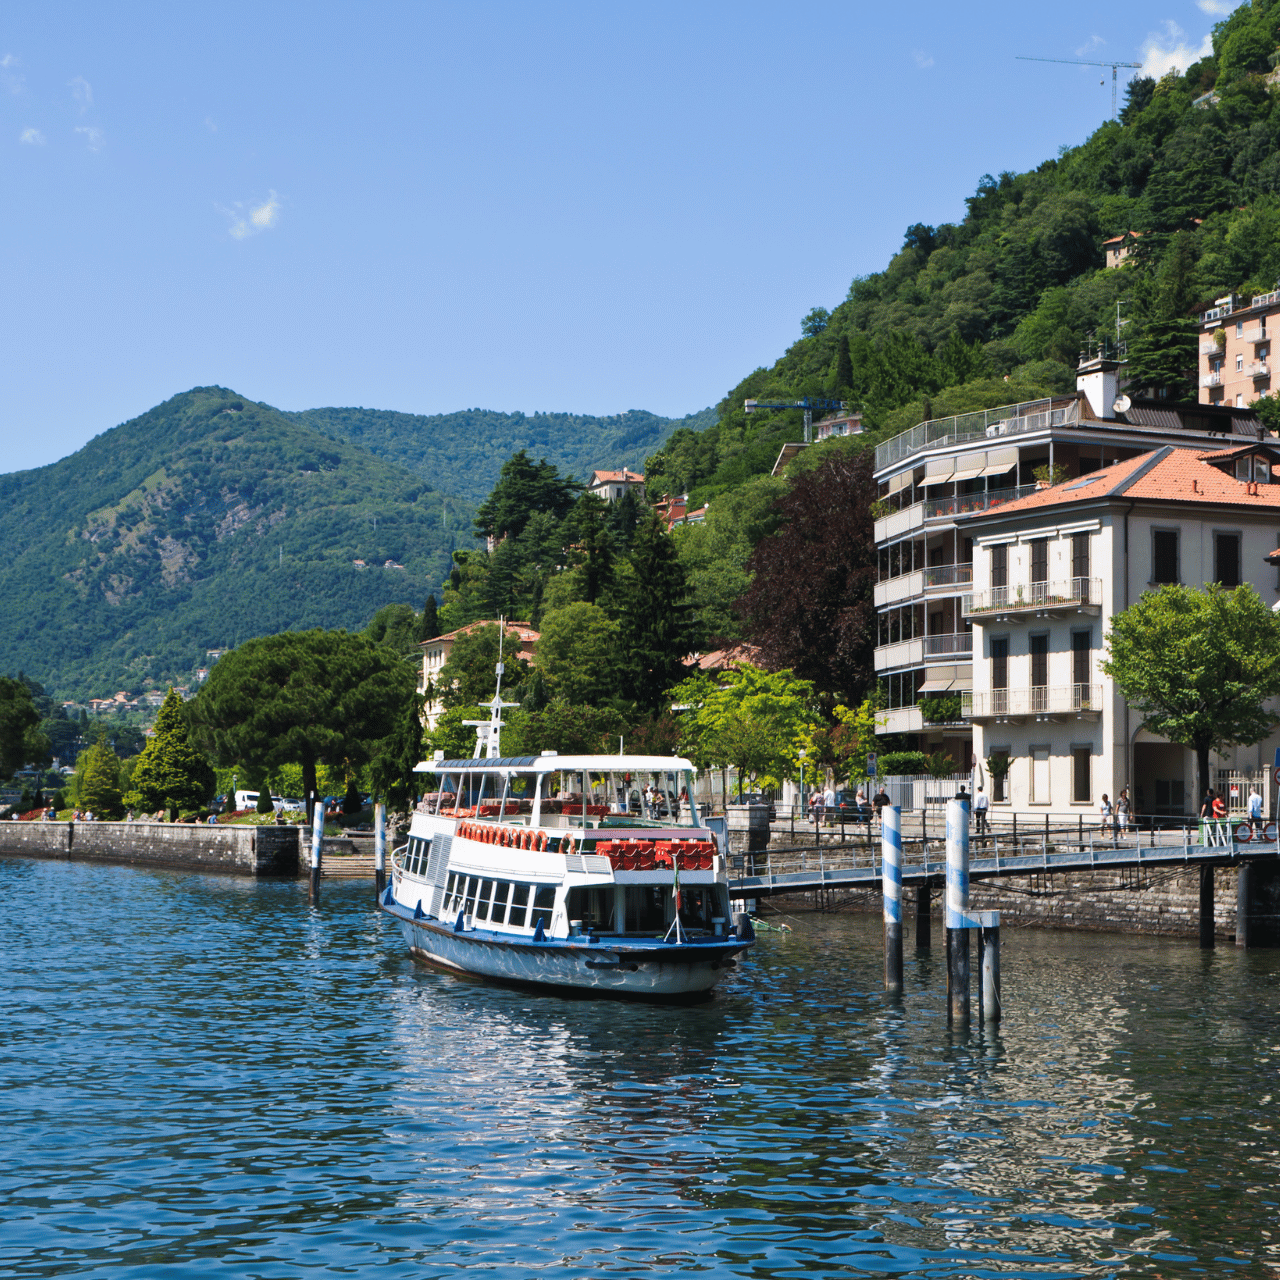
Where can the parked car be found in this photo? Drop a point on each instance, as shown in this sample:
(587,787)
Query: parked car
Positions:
(848,808)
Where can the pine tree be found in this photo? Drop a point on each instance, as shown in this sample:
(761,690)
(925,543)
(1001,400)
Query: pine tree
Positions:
(843,378)
(1162,360)
(99,780)
(659,629)
(170,772)
(429,625)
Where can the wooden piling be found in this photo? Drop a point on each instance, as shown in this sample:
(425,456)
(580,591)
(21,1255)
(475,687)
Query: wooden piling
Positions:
(891,885)
(317,843)
(957,910)
(924,930)
(1206,907)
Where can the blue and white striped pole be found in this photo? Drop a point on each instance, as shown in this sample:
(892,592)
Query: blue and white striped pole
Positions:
(380,846)
(317,840)
(891,887)
(957,911)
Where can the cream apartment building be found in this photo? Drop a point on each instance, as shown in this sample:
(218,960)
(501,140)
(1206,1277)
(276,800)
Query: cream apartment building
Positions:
(934,478)
(1051,570)
(1235,349)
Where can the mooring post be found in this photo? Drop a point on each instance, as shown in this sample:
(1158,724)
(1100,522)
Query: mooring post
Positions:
(924,932)
(1242,904)
(891,886)
(957,911)
(1206,907)
(989,968)
(317,842)
(380,847)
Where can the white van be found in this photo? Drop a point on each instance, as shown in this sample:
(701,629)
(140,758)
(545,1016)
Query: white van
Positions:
(249,800)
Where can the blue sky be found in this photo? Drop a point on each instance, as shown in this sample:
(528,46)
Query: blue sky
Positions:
(428,207)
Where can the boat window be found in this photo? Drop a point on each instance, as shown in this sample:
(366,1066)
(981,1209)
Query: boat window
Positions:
(544,899)
(592,905)
(448,890)
(482,900)
(500,891)
(472,885)
(519,905)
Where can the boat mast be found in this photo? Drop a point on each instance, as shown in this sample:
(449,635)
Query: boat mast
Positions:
(489,732)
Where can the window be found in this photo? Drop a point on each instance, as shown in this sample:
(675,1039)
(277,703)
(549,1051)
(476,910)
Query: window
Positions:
(544,898)
(1040,660)
(1039,775)
(1000,565)
(1081,654)
(1239,400)
(1239,362)
(1164,555)
(1081,785)
(500,891)
(1000,662)
(1226,559)
(1040,560)
(1079,555)
(482,900)
(1239,328)
(519,905)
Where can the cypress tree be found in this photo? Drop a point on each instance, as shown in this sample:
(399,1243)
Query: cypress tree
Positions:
(659,629)
(170,772)
(429,623)
(100,779)
(844,366)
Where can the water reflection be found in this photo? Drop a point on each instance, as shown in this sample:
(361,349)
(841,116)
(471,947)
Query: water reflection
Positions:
(207,1073)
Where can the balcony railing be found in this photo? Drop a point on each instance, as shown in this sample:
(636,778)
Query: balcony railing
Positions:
(1035,596)
(941,508)
(1211,379)
(1231,307)
(948,575)
(1255,333)
(941,433)
(1038,700)
(936,646)
(1259,369)
(1210,346)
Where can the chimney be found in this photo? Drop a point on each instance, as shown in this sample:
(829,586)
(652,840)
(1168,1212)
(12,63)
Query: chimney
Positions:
(1096,377)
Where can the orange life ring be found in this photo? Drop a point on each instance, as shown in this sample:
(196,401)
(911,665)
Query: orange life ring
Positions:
(504,837)
(542,841)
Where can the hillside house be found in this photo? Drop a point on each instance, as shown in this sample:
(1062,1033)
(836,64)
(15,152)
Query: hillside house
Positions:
(611,485)
(435,653)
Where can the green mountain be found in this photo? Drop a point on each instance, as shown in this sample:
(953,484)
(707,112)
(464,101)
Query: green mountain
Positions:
(463,452)
(996,307)
(208,520)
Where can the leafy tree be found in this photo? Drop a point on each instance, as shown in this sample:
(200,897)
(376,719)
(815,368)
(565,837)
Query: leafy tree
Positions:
(21,741)
(308,697)
(578,654)
(810,607)
(397,627)
(171,773)
(815,322)
(658,627)
(745,717)
(1198,666)
(469,678)
(97,779)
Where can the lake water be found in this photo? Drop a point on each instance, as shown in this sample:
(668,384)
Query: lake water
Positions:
(204,1076)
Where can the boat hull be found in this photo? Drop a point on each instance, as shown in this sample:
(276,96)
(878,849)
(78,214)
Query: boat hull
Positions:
(607,967)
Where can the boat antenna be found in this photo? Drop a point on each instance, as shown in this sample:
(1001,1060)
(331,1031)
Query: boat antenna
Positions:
(489,732)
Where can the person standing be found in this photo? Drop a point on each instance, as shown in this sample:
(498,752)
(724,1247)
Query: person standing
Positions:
(1122,811)
(829,803)
(1255,811)
(980,804)
(1219,807)
(1104,811)
(880,801)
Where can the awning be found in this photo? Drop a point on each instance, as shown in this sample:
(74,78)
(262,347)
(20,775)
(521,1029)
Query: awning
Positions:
(936,686)
(970,466)
(938,679)
(900,481)
(1000,461)
(938,470)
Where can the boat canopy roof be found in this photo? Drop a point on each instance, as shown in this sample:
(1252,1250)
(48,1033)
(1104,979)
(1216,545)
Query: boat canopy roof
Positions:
(556,764)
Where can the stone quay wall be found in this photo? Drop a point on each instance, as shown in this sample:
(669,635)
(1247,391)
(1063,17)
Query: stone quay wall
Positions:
(245,851)
(1147,900)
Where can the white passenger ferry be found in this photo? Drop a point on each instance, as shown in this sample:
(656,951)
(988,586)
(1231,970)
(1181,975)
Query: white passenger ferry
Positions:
(585,871)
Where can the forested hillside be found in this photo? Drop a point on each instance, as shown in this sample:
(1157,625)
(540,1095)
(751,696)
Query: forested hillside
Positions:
(208,520)
(463,452)
(997,307)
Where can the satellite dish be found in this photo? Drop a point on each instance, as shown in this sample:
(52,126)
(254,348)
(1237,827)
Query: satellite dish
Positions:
(1122,405)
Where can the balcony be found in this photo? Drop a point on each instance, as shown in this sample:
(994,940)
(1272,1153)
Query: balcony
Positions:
(966,503)
(945,645)
(1038,702)
(1259,369)
(1255,333)
(944,433)
(940,576)
(1211,379)
(1036,599)
(896,523)
(1210,347)
(899,653)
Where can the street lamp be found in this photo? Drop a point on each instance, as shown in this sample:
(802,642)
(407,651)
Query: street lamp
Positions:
(801,754)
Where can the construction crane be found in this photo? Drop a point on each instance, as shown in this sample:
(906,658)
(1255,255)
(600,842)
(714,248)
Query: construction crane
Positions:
(807,403)
(1084,62)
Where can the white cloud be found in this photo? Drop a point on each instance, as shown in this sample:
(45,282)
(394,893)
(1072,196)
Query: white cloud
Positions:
(1219,8)
(9,75)
(210,125)
(1171,51)
(32,137)
(82,92)
(1092,44)
(257,218)
(923,60)
(93,137)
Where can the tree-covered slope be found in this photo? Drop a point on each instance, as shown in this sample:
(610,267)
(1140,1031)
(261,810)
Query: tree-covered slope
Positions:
(463,452)
(208,520)
(997,307)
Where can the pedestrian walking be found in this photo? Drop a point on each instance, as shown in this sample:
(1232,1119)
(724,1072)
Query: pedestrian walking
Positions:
(1255,811)
(1219,806)
(980,804)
